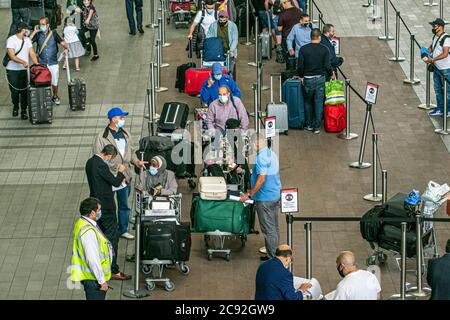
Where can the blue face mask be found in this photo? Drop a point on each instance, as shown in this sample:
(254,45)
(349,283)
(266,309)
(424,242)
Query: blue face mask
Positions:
(121,123)
(210,11)
(153,171)
(99,215)
(42,28)
(106,161)
(218,76)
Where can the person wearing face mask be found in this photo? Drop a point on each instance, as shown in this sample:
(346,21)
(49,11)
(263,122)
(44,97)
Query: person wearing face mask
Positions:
(440,59)
(356,284)
(101,182)
(47,49)
(329,31)
(159,181)
(200,26)
(224,108)
(19,50)
(228,31)
(116,135)
(300,35)
(210,88)
(92,253)
(275,282)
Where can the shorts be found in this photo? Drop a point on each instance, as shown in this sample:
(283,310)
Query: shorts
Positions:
(54,70)
(264,19)
(275,26)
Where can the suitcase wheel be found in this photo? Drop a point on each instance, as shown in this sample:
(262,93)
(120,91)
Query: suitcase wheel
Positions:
(286,133)
(169,286)
(185,269)
(49,121)
(210,256)
(33,122)
(151,286)
(146,269)
(243,240)
(228,257)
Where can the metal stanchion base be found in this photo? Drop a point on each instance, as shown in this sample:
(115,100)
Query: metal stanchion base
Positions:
(441,131)
(386,38)
(245,43)
(253,64)
(315,21)
(165,45)
(396,59)
(371,197)
(426,106)
(427,4)
(151,26)
(362,165)
(164,65)
(413,81)
(264,88)
(375,18)
(142,293)
(350,136)
(161,89)
(398,297)
(425,292)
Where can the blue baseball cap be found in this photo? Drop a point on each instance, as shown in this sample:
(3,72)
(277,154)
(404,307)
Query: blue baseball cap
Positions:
(116,112)
(217,68)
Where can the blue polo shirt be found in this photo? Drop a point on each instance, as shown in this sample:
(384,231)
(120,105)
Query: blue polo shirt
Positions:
(266,163)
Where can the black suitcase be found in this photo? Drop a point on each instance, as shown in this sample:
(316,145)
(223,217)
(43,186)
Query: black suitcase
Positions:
(157,241)
(395,208)
(40,105)
(181,79)
(371,229)
(77,91)
(390,239)
(174,116)
(183,241)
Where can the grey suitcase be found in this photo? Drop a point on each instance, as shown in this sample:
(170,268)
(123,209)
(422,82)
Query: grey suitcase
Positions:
(279,109)
(266,42)
(40,105)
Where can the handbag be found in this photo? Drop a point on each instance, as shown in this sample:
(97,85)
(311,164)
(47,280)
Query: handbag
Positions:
(7,59)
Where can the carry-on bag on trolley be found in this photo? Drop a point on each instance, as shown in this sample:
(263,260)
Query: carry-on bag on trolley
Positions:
(371,229)
(395,208)
(278,109)
(40,105)
(213,49)
(293,96)
(40,76)
(390,239)
(266,41)
(334,118)
(181,70)
(174,116)
(77,91)
(212,188)
(194,80)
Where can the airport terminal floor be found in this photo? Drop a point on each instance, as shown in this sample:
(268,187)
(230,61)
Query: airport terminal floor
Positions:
(43,180)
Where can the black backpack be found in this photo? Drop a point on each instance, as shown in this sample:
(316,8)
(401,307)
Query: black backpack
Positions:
(371,229)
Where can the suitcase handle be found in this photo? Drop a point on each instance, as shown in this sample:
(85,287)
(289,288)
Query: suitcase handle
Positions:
(272,75)
(68,69)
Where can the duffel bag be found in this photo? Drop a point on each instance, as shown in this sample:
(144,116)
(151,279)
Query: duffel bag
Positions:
(334,118)
(371,229)
(395,208)
(40,76)
(334,92)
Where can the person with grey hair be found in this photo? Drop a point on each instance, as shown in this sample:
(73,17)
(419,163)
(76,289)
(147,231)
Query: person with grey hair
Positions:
(157,180)
(329,32)
(265,191)
(356,284)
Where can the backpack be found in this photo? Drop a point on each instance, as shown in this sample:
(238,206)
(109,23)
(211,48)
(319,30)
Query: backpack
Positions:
(441,41)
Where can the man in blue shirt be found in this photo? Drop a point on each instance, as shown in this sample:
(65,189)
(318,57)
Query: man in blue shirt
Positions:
(265,191)
(299,35)
(210,88)
(274,281)
(47,50)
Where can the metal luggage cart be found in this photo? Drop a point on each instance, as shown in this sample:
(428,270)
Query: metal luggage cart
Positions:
(182,13)
(155,267)
(219,238)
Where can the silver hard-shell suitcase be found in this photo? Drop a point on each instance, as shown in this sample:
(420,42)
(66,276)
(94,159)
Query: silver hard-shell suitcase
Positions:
(266,42)
(279,109)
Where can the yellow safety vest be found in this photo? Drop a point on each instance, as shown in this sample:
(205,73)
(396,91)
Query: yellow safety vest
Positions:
(80,269)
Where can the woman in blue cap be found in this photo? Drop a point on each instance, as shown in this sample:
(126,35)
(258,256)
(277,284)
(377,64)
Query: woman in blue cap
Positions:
(210,88)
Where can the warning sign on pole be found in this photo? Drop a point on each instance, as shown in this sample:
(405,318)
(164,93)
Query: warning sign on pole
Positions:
(336,42)
(372,92)
(270,127)
(289,200)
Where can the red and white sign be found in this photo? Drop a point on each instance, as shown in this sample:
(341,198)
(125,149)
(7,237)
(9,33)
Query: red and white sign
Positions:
(289,200)
(337,45)
(372,92)
(270,127)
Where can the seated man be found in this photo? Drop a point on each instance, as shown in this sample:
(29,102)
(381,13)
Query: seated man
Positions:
(356,284)
(275,282)
(158,180)
(224,108)
(210,88)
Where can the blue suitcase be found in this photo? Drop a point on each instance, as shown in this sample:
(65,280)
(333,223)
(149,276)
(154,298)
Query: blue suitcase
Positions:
(292,94)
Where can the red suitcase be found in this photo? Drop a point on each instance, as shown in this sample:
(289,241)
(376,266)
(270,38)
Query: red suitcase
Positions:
(194,80)
(335,118)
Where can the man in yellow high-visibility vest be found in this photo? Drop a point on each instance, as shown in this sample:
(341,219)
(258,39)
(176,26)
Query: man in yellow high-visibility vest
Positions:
(92,252)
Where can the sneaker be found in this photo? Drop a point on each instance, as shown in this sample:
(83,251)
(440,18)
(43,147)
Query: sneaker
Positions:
(309,128)
(317,131)
(15,112)
(24,116)
(141,31)
(435,112)
(127,236)
(132,33)
(56,101)
(95,58)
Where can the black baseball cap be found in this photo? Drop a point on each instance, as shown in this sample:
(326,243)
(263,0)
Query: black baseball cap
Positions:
(210,2)
(438,22)
(22,25)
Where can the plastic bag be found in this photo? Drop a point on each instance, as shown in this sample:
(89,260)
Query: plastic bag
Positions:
(435,191)
(334,92)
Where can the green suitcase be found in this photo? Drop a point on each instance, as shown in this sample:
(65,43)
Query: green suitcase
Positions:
(226,216)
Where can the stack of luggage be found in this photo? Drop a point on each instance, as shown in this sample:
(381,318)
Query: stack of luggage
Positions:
(40,104)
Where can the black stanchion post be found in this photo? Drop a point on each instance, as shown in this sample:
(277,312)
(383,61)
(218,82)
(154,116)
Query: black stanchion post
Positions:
(290,222)
(360,164)
(412,79)
(308,228)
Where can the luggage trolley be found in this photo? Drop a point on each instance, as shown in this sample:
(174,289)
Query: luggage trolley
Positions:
(182,11)
(160,209)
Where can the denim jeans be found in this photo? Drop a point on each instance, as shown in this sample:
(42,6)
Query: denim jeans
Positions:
(92,290)
(19,15)
(124,209)
(314,96)
(268,212)
(439,89)
(129,4)
(108,224)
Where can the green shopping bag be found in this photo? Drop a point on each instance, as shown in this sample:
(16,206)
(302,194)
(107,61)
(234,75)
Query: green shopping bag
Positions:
(334,92)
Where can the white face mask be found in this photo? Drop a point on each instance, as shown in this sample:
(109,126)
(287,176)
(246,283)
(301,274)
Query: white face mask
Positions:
(120,123)
(27,33)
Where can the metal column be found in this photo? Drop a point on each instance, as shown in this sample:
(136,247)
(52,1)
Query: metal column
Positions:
(360,164)
(427,105)
(308,228)
(444,117)
(412,79)
(374,196)
(397,57)
(386,36)
(347,135)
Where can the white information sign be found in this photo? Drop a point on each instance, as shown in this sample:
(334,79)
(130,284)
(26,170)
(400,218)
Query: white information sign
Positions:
(289,200)
(270,127)
(372,92)
(337,45)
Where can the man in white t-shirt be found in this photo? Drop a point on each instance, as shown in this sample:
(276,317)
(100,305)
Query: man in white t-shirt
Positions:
(20,49)
(357,284)
(206,18)
(440,58)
